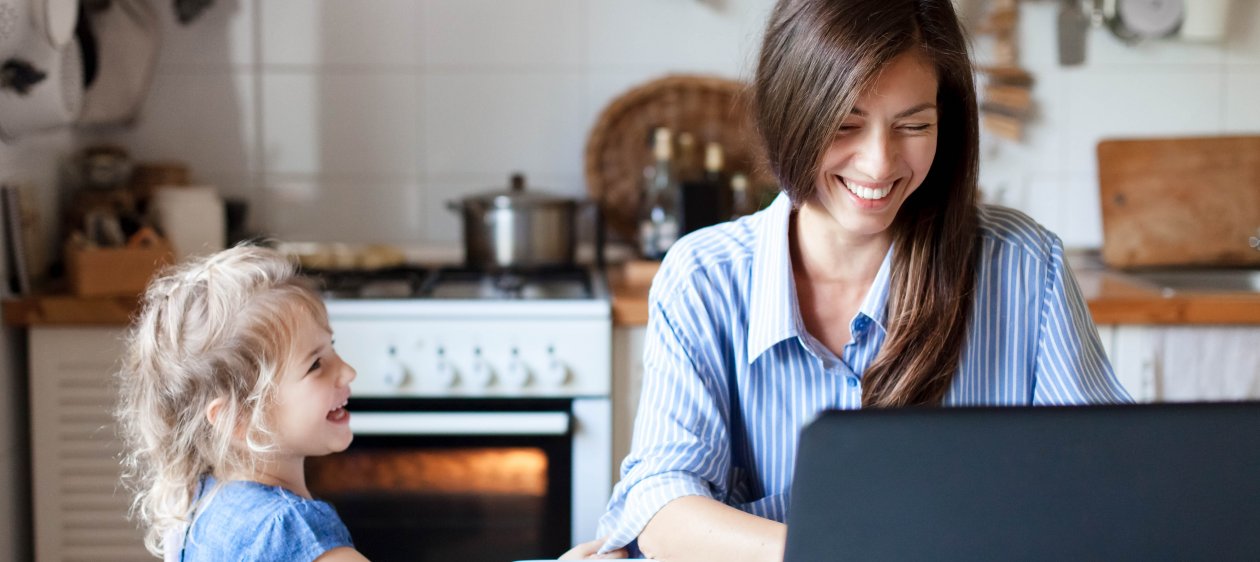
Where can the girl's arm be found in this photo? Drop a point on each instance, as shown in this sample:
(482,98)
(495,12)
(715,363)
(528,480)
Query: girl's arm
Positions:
(341,554)
(699,528)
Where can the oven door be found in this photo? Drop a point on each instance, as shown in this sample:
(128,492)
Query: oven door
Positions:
(453,479)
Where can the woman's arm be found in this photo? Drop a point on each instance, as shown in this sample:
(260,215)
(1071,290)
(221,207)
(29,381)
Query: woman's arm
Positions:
(1072,367)
(590,551)
(699,528)
(681,444)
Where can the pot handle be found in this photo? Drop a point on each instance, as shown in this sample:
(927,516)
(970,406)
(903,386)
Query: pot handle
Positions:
(598,216)
(455,206)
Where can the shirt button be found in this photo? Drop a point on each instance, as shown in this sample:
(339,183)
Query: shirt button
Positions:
(853,382)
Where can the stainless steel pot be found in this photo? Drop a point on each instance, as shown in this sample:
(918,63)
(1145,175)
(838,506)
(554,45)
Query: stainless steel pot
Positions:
(518,229)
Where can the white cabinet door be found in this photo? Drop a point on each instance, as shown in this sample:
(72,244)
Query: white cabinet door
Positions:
(1134,356)
(80,509)
(627,380)
(1208,363)
(1185,363)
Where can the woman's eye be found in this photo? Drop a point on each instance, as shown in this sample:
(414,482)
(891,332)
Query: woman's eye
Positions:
(314,366)
(917,127)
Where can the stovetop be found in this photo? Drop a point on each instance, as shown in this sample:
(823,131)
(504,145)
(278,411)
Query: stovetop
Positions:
(459,283)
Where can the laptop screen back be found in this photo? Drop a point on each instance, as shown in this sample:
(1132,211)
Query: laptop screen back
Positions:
(1144,482)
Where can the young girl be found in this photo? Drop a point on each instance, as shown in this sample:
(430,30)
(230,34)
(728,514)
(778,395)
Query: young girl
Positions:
(229,382)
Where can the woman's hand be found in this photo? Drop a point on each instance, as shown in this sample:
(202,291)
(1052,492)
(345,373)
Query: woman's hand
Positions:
(588,550)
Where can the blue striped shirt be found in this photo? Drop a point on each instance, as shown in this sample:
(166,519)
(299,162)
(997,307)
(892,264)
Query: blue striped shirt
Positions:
(725,301)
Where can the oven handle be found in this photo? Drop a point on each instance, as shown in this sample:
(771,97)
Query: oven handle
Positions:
(459,423)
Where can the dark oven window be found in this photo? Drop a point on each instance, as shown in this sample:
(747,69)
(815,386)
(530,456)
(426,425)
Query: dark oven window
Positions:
(421,498)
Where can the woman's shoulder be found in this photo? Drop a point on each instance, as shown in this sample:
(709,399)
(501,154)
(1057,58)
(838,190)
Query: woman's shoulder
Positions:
(708,254)
(1014,230)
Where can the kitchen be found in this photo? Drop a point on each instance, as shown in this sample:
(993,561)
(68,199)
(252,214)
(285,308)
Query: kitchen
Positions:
(321,115)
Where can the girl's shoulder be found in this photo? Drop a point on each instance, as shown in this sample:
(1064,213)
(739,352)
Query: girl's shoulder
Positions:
(252,521)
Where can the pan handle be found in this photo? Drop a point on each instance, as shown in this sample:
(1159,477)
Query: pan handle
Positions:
(597,211)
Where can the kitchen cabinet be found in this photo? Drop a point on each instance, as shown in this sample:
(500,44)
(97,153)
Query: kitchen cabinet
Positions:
(627,380)
(1181,363)
(80,508)
(1155,363)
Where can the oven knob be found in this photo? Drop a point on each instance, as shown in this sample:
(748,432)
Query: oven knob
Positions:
(556,374)
(445,374)
(396,374)
(517,374)
(480,374)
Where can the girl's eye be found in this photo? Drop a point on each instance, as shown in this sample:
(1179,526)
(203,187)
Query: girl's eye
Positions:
(314,366)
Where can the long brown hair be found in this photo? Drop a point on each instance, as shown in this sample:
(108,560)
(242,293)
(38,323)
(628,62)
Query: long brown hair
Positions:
(817,58)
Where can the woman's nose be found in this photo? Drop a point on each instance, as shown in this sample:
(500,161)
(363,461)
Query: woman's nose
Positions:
(877,156)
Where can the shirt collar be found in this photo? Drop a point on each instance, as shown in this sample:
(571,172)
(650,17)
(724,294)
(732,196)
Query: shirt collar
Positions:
(774,313)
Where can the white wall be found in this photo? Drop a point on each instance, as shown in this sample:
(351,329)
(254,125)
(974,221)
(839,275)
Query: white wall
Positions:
(346,123)
(343,122)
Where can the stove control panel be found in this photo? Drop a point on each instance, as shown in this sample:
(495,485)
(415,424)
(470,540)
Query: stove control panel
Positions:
(434,358)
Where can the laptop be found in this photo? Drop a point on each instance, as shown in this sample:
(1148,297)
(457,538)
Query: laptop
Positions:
(1134,482)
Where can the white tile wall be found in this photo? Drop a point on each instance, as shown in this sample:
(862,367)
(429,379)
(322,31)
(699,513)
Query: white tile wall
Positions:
(510,36)
(393,108)
(341,123)
(185,117)
(383,33)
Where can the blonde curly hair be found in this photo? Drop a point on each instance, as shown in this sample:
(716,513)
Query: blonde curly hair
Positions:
(221,326)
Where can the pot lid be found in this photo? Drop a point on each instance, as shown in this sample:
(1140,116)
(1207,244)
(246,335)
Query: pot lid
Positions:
(517,196)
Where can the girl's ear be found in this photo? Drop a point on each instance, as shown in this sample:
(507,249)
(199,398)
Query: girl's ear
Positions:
(215,409)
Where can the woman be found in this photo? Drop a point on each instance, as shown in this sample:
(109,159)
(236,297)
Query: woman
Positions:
(874,280)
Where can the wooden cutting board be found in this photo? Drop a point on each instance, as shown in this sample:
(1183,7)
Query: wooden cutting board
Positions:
(1180,201)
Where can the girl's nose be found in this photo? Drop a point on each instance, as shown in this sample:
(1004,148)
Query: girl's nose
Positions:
(348,373)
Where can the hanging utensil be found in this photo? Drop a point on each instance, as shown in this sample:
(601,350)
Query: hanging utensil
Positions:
(1073,26)
(1137,20)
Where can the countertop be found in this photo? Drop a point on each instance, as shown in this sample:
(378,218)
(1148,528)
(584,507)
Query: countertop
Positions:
(1113,298)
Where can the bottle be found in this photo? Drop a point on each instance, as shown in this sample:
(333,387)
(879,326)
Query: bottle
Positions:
(685,158)
(659,220)
(741,200)
(703,199)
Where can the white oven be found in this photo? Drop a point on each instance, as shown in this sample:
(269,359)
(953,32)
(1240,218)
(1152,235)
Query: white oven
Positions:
(482,419)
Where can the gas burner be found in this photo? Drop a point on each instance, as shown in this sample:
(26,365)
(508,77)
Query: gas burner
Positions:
(459,283)
(391,283)
(547,284)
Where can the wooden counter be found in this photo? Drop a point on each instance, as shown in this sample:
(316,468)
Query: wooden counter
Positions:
(69,310)
(1113,298)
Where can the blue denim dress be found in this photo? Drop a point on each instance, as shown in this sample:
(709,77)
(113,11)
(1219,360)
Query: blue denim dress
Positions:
(253,521)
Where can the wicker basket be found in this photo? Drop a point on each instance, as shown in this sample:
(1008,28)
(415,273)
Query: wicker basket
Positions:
(619,146)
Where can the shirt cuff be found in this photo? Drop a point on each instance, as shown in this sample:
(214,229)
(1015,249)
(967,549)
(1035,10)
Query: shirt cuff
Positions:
(624,521)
